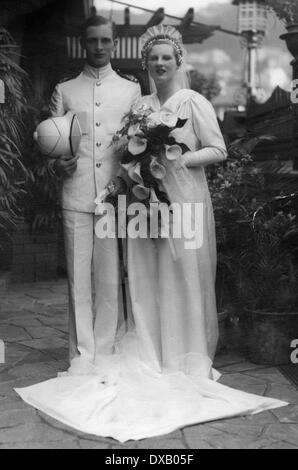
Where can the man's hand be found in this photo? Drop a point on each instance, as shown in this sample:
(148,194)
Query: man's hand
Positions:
(66,165)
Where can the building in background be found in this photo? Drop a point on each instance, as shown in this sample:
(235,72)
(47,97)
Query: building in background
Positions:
(48,31)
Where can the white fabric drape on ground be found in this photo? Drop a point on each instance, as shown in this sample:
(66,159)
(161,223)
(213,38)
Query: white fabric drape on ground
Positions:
(160,377)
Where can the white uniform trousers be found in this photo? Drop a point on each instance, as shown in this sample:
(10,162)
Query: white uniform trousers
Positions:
(93,299)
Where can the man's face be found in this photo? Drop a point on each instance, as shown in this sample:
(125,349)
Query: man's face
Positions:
(99,45)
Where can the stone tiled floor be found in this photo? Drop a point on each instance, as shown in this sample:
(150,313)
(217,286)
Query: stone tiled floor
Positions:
(33,324)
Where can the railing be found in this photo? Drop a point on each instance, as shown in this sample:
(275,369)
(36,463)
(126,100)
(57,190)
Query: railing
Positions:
(2,92)
(127,48)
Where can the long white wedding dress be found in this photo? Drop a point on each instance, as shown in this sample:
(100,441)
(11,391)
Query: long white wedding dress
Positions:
(160,377)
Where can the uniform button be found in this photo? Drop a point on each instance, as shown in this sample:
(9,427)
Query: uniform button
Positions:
(98,165)
(97,124)
(98,144)
(97,103)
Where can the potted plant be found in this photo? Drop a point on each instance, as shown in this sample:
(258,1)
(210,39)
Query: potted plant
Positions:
(28,188)
(287,12)
(13,173)
(231,186)
(42,210)
(208,86)
(238,187)
(267,284)
(37,241)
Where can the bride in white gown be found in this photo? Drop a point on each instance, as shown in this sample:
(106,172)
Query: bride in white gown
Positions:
(160,376)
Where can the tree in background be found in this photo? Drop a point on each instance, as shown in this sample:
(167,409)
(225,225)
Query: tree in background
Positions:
(286,10)
(208,86)
(14,175)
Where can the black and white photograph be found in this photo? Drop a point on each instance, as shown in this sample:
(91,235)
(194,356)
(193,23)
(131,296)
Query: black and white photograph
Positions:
(149,227)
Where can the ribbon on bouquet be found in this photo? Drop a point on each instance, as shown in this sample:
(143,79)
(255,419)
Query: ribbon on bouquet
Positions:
(159,214)
(142,193)
(165,225)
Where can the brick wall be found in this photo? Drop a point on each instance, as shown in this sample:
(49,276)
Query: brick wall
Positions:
(4,283)
(34,255)
(5,250)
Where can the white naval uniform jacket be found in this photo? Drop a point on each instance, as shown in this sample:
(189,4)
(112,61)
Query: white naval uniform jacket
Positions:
(104,97)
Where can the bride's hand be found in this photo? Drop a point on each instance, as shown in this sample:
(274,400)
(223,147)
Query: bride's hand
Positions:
(187,159)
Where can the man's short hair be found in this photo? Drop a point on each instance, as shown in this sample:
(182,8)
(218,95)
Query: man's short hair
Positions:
(97,20)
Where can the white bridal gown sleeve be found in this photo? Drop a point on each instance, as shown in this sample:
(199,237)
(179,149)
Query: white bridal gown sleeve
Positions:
(160,377)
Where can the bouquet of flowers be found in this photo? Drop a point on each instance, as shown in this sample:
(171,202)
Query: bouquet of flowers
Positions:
(145,143)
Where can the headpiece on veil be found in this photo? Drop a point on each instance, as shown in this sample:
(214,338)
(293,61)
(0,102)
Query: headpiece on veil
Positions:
(160,34)
(165,34)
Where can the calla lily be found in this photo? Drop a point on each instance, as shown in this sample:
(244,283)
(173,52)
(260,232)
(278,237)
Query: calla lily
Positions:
(157,170)
(153,120)
(168,119)
(173,152)
(140,191)
(136,145)
(153,197)
(126,166)
(176,133)
(133,130)
(134,172)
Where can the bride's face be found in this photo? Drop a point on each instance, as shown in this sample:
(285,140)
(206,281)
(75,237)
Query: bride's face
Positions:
(162,63)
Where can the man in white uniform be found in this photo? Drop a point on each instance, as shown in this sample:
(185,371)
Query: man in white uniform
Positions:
(104,97)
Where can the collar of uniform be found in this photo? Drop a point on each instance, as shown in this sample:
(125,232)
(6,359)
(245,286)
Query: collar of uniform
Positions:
(97,73)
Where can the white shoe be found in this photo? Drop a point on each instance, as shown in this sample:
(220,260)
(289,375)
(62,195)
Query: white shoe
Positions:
(81,366)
